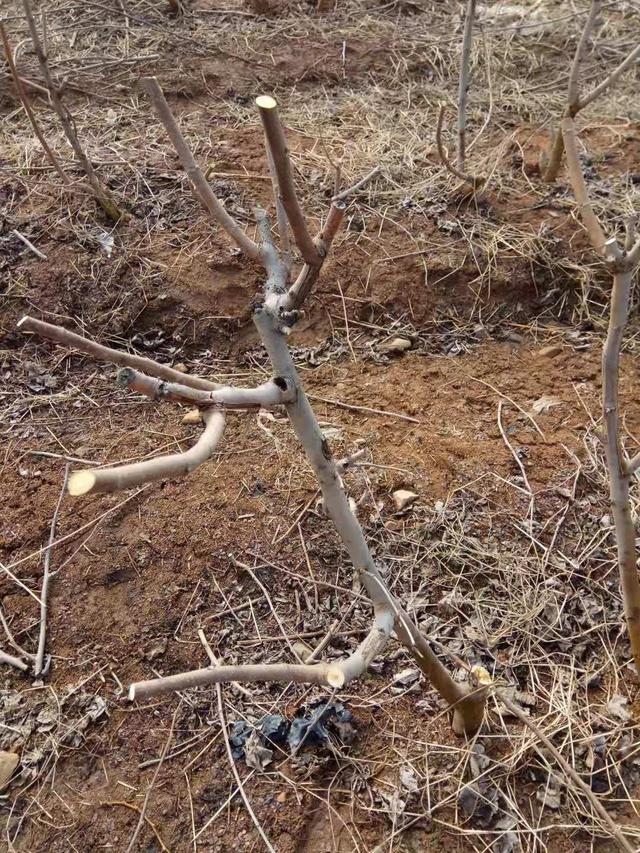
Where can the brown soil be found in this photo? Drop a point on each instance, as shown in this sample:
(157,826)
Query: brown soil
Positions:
(501,301)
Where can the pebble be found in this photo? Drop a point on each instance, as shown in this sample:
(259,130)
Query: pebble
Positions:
(192,417)
(402,498)
(551,351)
(394,345)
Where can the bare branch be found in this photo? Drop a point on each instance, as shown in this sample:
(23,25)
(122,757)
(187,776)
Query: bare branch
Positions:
(632,464)
(591,221)
(463,84)
(46,580)
(62,336)
(161,468)
(102,195)
(281,214)
(12,660)
(277,144)
(275,392)
(476,183)
(344,194)
(611,79)
(573,89)
(633,254)
(24,99)
(308,276)
(630,224)
(317,673)
(203,191)
(569,771)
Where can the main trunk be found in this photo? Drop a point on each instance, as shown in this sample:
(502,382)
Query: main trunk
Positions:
(618,476)
(468,706)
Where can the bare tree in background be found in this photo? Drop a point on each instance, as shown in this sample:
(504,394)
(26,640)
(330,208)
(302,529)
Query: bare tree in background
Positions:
(623,262)
(575,102)
(274,317)
(458,169)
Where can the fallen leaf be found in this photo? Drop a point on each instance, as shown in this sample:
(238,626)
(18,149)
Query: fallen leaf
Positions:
(8,763)
(617,707)
(256,754)
(543,404)
(394,345)
(409,780)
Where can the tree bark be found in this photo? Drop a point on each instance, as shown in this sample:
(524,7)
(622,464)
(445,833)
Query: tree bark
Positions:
(618,471)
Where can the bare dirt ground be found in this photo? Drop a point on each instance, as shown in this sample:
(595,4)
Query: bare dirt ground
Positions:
(505,308)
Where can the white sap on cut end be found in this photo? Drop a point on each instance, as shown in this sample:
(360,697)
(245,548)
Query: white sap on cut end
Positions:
(81,482)
(266,102)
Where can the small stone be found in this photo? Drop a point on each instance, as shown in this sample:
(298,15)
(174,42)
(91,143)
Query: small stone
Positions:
(403,498)
(180,366)
(551,351)
(8,763)
(157,649)
(301,649)
(394,345)
(282,797)
(192,417)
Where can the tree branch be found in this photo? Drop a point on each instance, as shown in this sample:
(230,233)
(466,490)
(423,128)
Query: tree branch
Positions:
(203,191)
(65,338)
(275,392)
(46,580)
(573,89)
(463,84)
(161,468)
(308,276)
(277,144)
(24,99)
(611,79)
(591,222)
(345,194)
(102,195)
(476,183)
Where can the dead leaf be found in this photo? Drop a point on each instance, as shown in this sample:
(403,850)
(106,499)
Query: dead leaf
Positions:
(409,780)
(617,707)
(255,753)
(8,763)
(549,798)
(543,404)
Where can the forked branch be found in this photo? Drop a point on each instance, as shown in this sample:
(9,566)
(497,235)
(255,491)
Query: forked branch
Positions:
(623,263)
(475,182)
(103,196)
(576,103)
(272,320)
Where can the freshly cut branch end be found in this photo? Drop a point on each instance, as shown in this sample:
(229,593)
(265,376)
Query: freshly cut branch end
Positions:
(81,483)
(266,102)
(335,678)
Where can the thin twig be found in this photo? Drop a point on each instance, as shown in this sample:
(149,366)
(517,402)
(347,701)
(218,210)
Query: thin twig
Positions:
(24,98)
(569,771)
(46,579)
(145,802)
(234,770)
